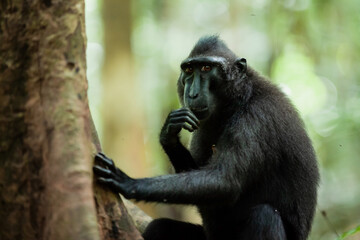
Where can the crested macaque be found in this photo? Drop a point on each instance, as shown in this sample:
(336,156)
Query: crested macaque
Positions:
(250,169)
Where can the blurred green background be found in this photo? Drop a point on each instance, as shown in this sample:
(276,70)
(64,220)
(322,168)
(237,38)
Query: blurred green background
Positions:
(309,48)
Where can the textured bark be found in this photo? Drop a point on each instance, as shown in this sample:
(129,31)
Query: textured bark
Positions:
(45,178)
(140,218)
(45,129)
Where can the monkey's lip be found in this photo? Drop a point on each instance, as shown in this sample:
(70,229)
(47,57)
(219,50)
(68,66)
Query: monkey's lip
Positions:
(201,112)
(199,109)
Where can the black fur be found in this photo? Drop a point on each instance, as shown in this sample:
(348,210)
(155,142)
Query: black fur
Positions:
(212,46)
(251,169)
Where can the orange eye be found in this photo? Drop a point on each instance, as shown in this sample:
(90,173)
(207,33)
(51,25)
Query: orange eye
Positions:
(205,68)
(189,69)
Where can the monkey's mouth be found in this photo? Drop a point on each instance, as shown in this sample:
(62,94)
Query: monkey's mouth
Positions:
(200,112)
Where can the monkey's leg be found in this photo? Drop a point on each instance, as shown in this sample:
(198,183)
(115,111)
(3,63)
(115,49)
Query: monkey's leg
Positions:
(165,229)
(264,223)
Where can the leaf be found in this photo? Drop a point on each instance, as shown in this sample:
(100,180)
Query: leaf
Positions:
(349,233)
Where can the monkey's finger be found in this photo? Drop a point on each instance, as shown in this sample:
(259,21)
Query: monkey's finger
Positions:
(177,113)
(108,182)
(186,119)
(105,160)
(187,127)
(182,110)
(112,184)
(103,172)
(190,113)
(176,127)
(185,112)
(102,154)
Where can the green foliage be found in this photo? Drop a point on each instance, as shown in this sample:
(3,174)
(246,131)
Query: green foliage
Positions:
(349,233)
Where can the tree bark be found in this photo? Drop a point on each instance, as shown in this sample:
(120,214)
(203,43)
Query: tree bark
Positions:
(46,130)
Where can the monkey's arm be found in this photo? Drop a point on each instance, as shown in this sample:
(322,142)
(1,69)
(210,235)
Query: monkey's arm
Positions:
(194,187)
(179,156)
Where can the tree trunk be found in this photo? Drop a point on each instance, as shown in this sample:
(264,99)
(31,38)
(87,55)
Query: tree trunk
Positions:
(46,129)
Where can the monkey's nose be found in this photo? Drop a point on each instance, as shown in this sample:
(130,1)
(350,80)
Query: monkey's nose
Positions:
(193,95)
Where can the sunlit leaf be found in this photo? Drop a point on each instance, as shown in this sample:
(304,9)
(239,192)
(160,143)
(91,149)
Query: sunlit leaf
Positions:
(349,233)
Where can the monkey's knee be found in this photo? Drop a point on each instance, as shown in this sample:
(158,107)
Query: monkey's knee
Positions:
(163,228)
(264,223)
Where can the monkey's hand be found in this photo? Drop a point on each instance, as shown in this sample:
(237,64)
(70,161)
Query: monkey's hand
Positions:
(176,120)
(111,176)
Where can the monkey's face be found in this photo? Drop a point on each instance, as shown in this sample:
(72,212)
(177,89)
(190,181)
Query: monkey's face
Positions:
(200,79)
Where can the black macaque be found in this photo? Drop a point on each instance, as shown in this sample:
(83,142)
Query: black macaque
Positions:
(251,169)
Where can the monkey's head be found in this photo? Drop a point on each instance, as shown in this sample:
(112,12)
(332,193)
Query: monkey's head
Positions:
(206,74)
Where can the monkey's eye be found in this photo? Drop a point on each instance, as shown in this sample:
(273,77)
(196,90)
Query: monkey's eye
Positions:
(189,70)
(206,68)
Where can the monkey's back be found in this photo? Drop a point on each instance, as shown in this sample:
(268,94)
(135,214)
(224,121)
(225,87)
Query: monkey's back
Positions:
(283,167)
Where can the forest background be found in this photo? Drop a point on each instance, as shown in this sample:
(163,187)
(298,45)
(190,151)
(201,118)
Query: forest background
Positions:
(309,48)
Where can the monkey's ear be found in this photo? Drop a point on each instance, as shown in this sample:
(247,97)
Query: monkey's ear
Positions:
(241,64)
